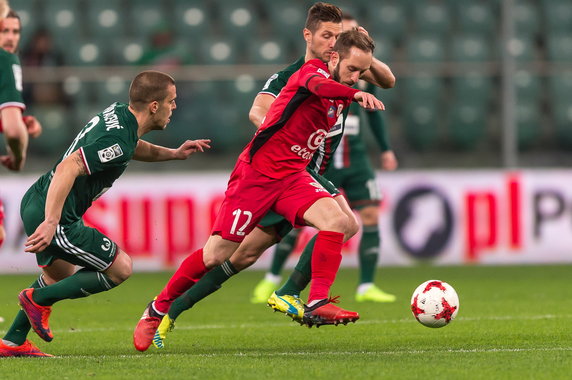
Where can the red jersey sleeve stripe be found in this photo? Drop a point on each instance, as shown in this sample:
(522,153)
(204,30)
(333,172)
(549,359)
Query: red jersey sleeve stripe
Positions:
(84,160)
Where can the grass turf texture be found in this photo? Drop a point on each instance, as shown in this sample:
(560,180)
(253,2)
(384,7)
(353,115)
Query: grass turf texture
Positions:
(513,323)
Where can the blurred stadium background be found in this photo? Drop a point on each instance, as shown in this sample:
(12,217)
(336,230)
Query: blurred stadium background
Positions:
(449,108)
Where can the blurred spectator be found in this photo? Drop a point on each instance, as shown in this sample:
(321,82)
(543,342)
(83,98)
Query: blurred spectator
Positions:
(41,52)
(164,52)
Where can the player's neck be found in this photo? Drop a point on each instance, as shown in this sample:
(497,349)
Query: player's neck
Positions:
(143,122)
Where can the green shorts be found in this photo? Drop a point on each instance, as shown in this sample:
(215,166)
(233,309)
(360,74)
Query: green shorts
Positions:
(358,182)
(282,226)
(75,242)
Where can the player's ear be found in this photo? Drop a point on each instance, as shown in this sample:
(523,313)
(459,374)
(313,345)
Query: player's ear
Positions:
(154,106)
(335,59)
(307,35)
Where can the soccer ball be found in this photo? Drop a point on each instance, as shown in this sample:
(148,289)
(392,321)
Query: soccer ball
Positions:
(434,303)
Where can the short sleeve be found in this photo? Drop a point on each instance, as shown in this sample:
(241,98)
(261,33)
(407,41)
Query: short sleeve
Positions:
(105,153)
(274,84)
(10,82)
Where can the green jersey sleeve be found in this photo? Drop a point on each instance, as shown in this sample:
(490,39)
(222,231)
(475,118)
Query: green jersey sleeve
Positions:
(277,81)
(377,124)
(10,81)
(106,153)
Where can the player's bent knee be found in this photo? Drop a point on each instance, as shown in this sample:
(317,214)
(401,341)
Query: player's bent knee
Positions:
(121,269)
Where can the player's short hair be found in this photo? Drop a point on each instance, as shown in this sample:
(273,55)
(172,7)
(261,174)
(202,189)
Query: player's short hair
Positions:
(322,12)
(4,9)
(13,14)
(352,38)
(149,86)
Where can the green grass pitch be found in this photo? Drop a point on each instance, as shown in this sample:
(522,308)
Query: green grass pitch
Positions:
(513,323)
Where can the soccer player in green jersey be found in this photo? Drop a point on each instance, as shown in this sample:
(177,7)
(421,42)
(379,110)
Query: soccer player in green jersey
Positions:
(12,123)
(53,207)
(351,170)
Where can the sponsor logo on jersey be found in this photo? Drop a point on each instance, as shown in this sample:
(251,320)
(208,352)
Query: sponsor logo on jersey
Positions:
(324,73)
(109,153)
(338,127)
(110,118)
(314,141)
(318,186)
(332,111)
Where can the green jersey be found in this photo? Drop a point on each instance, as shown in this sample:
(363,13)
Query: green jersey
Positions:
(322,156)
(352,150)
(10,81)
(106,144)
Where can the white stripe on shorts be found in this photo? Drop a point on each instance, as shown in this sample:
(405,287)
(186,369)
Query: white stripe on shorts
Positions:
(67,246)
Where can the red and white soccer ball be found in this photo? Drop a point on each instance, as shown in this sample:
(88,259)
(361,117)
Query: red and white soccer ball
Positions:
(435,303)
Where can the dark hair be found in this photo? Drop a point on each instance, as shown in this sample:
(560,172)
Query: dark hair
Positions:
(322,12)
(149,86)
(13,14)
(352,38)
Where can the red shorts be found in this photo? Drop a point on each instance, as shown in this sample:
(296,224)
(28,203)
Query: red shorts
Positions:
(250,195)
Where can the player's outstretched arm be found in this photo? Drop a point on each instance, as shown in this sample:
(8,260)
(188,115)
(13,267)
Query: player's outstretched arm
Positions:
(64,177)
(147,152)
(16,138)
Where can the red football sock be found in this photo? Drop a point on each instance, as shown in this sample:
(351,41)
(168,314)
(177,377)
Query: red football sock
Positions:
(189,272)
(326,259)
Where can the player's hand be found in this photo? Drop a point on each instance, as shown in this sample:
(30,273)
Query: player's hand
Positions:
(11,163)
(41,238)
(368,101)
(388,161)
(361,29)
(191,146)
(33,126)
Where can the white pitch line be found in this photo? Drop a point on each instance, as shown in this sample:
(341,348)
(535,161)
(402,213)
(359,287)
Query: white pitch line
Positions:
(335,353)
(281,324)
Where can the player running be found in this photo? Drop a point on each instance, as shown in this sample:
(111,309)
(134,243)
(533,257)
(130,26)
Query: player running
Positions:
(53,207)
(270,173)
(351,170)
(323,26)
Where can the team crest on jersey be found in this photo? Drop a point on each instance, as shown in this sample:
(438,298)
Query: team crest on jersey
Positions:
(332,111)
(324,73)
(109,153)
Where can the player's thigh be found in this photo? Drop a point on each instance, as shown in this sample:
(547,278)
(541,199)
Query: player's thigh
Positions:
(276,223)
(326,215)
(253,246)
(300,194)
(57,271)
(369,215)
(217,250)
(121,268)
(80,245)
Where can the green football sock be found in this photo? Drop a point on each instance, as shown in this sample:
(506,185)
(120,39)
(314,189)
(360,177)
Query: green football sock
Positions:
(302,274)
(368,253)
(282,251)
(20,328)
(208,284)
(83,283)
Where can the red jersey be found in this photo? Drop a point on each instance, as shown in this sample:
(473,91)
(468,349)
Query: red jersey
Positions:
(298,121)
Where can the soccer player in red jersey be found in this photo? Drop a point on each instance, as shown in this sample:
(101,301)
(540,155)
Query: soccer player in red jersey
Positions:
(270,173)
